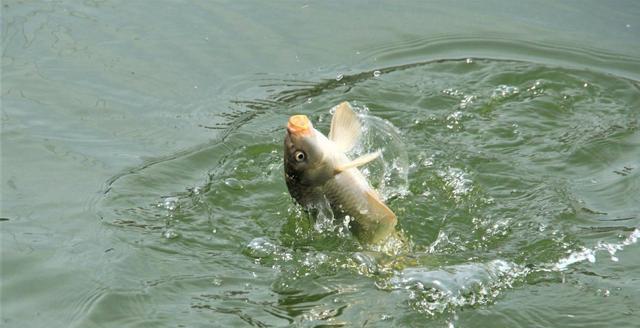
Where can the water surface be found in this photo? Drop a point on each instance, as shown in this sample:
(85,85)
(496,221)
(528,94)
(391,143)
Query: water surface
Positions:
(142,177)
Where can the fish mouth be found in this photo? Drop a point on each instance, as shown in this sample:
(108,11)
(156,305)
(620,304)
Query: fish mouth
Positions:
(299,125)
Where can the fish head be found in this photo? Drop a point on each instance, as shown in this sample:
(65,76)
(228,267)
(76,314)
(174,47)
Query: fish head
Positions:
(308,155)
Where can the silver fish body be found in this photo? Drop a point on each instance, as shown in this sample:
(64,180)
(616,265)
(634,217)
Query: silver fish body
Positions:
(317,169)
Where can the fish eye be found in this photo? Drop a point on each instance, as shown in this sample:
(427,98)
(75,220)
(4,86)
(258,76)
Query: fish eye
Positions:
(300,156)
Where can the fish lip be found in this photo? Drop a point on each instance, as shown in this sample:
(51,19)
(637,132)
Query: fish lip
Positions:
(299,126)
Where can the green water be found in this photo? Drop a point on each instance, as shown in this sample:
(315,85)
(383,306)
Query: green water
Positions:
(142,179)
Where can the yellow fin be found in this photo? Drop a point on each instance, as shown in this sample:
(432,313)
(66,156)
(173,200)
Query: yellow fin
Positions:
(381,210)
(362,160)
(345,127)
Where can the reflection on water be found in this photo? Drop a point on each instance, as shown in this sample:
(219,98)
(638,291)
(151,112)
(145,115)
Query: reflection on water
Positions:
(488,184)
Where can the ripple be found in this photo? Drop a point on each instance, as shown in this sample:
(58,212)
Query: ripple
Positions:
(496,46)
(503,174)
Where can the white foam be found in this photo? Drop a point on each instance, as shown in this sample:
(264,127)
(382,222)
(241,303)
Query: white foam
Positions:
(589,254)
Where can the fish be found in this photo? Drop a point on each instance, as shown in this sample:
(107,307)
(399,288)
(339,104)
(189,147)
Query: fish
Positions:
(317,169)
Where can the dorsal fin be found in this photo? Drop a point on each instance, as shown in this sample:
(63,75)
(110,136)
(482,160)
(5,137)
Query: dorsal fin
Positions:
(362,160)
(345,127)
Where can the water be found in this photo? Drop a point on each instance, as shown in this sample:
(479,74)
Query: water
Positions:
(142,177)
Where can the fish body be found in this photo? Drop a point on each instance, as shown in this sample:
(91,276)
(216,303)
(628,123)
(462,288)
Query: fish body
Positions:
(317,169)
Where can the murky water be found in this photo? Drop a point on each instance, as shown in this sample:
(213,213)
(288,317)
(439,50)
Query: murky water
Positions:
(142,164)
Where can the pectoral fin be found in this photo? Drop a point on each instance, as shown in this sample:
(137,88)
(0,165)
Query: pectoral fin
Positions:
(362,160)
(345,127)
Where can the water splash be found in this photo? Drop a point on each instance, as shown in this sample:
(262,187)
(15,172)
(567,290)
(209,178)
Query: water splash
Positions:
(448,288)
(467,101)
(453,119)
(589,254)
(457,181)
(169,203)
(504,91)
(456,232)
(391,177)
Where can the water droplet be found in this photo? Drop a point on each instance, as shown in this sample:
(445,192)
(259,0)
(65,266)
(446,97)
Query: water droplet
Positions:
(504,91)
(455,117)
(170,234)
(457,180)
(452,92)
(339,77)
(376,73)
(233,183)
(260,247)
(169,203)
(466,101)
(542,227)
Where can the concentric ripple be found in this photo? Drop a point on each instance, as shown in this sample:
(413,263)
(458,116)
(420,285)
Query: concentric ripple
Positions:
(508,175)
